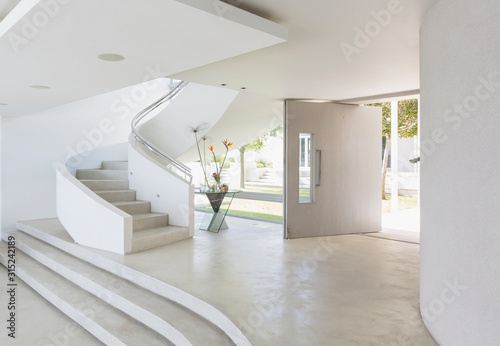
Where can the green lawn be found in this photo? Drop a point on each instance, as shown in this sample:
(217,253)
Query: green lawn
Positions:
(405,202)
(255,215)
(263,216)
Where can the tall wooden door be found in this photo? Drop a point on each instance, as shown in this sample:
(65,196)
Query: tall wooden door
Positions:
(332,169)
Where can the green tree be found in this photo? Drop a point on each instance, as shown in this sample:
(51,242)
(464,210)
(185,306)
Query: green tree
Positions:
(256,146)
(407,127)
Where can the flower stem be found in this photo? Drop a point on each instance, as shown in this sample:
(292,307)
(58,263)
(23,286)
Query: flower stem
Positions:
(201,160)
(223,161)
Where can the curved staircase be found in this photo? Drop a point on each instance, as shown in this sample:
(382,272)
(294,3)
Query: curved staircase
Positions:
(149,229)
(62,258)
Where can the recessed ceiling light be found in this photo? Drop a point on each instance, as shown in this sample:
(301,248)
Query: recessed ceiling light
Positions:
(3,104)
(243,88)
(111,57)
(223,84)
(39,87)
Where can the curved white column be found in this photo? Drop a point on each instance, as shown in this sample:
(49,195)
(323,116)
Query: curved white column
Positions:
(460,166)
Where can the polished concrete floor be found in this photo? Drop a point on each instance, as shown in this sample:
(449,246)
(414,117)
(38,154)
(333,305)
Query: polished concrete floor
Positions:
(38,323)
(344,290)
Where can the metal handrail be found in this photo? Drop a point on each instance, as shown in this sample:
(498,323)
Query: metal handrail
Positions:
(185,170)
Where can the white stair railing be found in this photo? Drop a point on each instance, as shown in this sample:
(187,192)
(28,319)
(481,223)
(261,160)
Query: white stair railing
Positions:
(171,164)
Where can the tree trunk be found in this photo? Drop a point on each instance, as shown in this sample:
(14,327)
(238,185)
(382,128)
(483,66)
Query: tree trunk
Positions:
(384,164)
(242,168)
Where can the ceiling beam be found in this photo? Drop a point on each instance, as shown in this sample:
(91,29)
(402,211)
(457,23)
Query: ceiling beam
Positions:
(402,95)
(16,15)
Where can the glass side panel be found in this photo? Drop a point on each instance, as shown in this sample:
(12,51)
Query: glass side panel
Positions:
(306,168)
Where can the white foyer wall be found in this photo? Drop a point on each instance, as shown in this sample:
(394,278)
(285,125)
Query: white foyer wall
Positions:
(460,168)
(32,144)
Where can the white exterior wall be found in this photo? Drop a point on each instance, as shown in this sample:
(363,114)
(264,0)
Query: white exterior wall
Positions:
(32,144)
(407,152)
(460,168)
(272,152)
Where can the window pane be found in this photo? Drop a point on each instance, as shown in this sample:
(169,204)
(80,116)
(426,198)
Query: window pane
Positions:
(306,165)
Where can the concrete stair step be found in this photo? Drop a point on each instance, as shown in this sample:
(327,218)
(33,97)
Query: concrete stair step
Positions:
(154,237)
(268,177)
(105,185)
(119,165)
(134,207)
(149,220)
(117,195)
(52,232)
(172,321)
(109,325)
(102,174)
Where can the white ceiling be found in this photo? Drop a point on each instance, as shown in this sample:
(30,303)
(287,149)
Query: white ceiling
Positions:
(310,65)
(59,47)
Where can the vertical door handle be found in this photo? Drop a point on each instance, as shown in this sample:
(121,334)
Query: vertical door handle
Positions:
(319,168)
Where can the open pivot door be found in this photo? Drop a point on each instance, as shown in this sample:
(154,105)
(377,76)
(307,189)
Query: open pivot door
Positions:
(333,169)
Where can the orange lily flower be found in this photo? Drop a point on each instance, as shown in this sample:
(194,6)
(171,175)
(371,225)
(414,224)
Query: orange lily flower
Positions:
(211,148)
(228,145)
